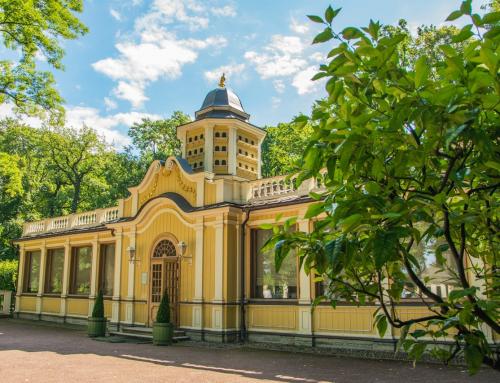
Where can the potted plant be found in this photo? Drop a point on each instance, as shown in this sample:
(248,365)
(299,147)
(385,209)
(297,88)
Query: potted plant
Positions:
(163,330)
(97,322)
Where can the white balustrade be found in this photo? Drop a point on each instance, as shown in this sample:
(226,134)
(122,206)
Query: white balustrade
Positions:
(86,219)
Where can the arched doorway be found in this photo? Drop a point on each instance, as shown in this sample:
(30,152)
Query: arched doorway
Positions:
(164,276)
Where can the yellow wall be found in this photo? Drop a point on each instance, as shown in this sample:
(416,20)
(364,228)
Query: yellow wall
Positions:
(28,303)
(77,306)
(51,305)
(272,317)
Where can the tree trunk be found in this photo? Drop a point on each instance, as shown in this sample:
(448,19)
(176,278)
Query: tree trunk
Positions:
(76,196)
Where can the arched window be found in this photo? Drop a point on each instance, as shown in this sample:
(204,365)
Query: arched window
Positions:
(246,140)
(201,164)
(253,143)
(223,162)
(246,153)
(216,148)
(201,150)
(196,151)
(224,134)
(239,151)
(216,162)
(201,136)
(165,249)
(189,153)
(196,138)
(190,139)
(217,134)
(223,148)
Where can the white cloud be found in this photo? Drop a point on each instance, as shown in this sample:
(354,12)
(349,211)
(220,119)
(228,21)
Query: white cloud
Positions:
(229,71)
(296,27)
(226,11)
(285,44)
(275,65)
(110,104)
(153,52)
(115,14)
(279,86)
(302,80)
(77,116)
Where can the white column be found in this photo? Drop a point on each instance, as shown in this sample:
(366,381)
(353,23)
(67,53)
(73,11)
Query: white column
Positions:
(41,277)
(115,310)
(93,274)
(231,154)
(21,276)
(259,160)
(219,274)
(129,306)
(305,317)
(209,149)
(198,274)
(66,272)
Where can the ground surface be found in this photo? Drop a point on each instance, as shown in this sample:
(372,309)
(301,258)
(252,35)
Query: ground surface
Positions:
(36,352)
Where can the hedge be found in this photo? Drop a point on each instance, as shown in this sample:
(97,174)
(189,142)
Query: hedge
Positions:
(8,274)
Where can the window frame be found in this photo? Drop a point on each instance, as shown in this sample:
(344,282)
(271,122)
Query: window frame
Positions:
(28,261)
(73,273)
(48,271)
(253,272)
(102,267)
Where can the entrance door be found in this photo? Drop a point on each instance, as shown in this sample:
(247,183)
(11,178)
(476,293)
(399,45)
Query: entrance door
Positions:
(164,277)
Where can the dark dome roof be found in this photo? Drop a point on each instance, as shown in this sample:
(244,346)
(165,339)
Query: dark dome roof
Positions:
(222,103)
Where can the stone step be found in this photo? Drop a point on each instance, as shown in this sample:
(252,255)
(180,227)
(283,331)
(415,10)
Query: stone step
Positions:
(148,331)
(144,334)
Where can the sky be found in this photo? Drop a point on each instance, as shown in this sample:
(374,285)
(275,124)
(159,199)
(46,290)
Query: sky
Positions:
(148,58)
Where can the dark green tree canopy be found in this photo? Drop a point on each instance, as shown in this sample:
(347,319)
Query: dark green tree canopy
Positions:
(408,153)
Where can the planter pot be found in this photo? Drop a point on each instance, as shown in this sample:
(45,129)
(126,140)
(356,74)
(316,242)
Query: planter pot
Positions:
(162,333)
(96,327)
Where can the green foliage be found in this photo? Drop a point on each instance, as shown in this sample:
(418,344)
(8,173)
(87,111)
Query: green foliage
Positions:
(157,140)
(407,150)
(163,314)
(36,28)
(282,148)
(98,310)
(8,274)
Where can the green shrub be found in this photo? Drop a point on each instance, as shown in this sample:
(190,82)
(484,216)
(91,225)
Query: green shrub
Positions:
(163,315)
(8,274)
(98,311)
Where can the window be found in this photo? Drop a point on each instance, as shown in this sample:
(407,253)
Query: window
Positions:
(239,164)
(196,138)
(196,151)
(190,139)
(194,165)
(216,148)
(224,134)
(266,282)
(54,271)
(253,143)
(32,273)
(201,164)
(239,151)
(216,162)
(252,155)
(107,269)
(246,153)
(189,153)
(223,162)
(246,140)
(201,136)
(201,150)
(81,265)
(246,166)
(253,169)
(223,148)
(217,134)
(239,138)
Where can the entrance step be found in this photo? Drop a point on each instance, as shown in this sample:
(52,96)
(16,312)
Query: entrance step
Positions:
(146,333)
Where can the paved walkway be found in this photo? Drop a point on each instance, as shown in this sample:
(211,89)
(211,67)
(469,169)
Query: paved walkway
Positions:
(36,352)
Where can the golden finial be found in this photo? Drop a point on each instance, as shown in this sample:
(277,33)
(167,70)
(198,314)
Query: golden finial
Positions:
(222,81)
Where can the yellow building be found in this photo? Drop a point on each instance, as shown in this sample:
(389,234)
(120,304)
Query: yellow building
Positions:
(191,227)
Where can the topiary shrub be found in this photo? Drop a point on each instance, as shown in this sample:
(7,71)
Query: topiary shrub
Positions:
(98,310)
(163,314)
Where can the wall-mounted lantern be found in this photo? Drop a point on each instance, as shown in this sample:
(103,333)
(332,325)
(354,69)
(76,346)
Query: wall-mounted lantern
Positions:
(131,253)
(182,251)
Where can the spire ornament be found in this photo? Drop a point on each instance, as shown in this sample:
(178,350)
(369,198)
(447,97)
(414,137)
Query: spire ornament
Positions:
(222,81)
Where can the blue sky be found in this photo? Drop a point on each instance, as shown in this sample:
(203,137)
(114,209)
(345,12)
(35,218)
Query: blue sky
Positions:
(150,57)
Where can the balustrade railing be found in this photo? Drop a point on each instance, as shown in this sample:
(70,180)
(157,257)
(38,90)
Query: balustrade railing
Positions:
(86,219)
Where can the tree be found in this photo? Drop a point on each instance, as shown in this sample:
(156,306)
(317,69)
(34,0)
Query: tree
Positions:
(408,157)
(36,29)
(282,148)
(156,140)
(76,154)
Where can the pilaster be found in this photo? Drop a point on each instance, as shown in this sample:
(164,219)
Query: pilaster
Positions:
(209,149)
(66,271)
(231,154)
(305,314)
(129,306)
(93,274)
(21,276)
(115,308)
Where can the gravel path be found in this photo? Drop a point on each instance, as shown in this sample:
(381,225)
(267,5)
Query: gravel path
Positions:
(36,352)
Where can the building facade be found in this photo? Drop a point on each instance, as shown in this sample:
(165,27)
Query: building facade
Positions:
(192,227)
